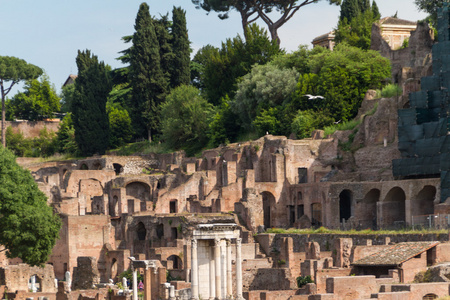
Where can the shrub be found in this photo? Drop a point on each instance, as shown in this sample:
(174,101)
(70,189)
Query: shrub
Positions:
(304,280)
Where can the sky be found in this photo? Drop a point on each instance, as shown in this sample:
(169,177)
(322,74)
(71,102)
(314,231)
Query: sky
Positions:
(48,33)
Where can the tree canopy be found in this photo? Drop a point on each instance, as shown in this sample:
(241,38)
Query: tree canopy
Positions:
(185,116)
(12,71)
(181,73)
(259,8)
(431,7)
(28,227)
(37,102)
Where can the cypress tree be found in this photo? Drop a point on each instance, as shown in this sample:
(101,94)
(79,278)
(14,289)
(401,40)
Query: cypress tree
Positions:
(90,119)
(375,11)
(147,80)
(364,5)
(349,10)
(166,55)
(181,73)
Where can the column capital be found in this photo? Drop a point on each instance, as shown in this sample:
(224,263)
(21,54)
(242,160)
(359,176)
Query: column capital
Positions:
(216,242)
(228,241)
(194,243)
(238,241)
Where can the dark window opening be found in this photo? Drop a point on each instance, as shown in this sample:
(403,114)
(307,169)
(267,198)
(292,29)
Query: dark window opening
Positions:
(300,211)
(302,175)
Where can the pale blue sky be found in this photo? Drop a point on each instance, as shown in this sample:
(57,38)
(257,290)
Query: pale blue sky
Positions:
(48,33)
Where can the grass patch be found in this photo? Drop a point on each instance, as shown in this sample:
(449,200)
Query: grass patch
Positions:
(389,91)
(347,125)
(144,147)
(323,230)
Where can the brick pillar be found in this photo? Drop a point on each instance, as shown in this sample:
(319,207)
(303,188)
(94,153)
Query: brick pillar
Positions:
(148,284)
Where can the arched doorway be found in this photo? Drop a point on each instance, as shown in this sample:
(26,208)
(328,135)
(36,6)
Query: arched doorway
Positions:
(118,168)
(141,232)
(316,214)
(430,297)
(176,262)
(345,205)
(393,208)
(114,268)
(367,209)
(268,202)
(423,204)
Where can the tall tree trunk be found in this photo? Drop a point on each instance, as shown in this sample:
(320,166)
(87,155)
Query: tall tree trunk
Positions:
(273,29)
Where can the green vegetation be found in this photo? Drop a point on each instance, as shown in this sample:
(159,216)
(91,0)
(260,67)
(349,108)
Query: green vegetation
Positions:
(391,90)
(304,280)
(39,101)
(347,125)
(90,119)
(13,70)
(29,229)
(355,23)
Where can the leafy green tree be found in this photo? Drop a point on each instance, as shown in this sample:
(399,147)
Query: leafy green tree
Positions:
(185,117)
(65,136)
(90,119)
(67,93)
(198,65)
(37,102)
(12,71)
(265,87)
(181,73)
(342,77)
(224,126)
(431,7)
(148,83)
(29,228)
(235,59)
(120,126)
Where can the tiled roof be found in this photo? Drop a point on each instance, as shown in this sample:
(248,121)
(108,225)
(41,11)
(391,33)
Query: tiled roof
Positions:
(396,21)
(394,255)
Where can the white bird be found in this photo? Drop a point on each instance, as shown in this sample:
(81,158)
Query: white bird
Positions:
(337,122)
(312,97)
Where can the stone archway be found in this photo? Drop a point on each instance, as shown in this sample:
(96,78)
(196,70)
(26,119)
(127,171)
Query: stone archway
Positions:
(393,208)
(316,214)
(268,200)
(114,268)
(345,205)
(366,211)
(423,204)
(138,194)
(430,296)
(141,232)
(176,262)
(118,168)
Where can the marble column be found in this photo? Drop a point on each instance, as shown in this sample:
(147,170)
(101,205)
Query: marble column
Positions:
(217,268)
(238,270)
(229,271)
(148,284)
(135,284)
(194,270)
(212,276)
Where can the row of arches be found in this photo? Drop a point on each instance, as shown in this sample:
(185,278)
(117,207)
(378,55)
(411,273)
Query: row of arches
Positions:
(390,211)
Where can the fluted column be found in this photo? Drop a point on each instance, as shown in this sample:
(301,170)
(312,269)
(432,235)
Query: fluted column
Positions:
(238,269)
(229,271)
(217,267)
(194,270)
